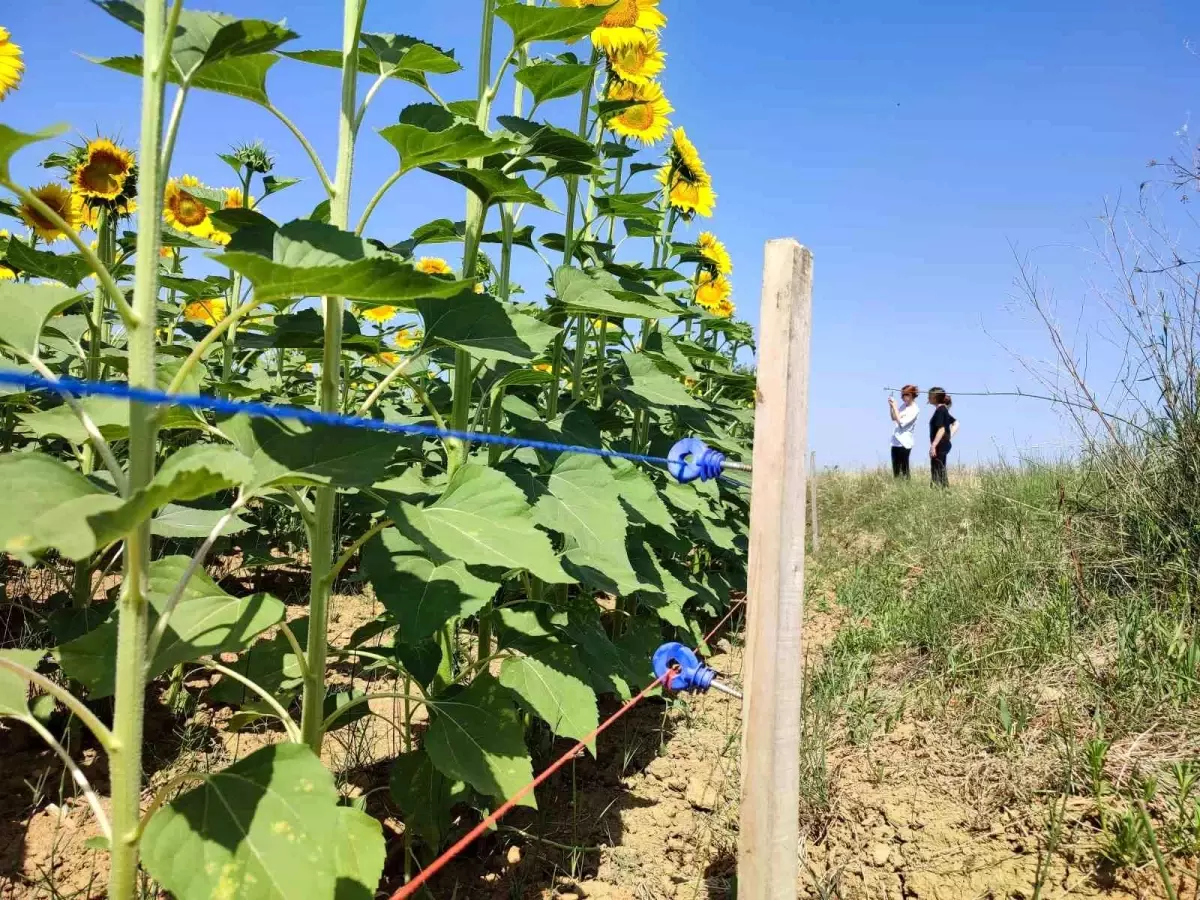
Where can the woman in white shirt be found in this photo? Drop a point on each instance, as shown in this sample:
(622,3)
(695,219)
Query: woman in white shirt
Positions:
(905,417)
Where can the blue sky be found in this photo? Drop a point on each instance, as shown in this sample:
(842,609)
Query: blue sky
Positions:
(909,145)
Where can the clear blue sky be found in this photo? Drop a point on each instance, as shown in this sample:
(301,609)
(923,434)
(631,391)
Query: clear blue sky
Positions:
(907,144)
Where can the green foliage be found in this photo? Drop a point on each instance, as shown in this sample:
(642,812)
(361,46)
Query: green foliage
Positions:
(512,589)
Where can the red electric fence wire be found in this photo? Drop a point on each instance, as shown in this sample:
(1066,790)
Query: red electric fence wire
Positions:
(467,839)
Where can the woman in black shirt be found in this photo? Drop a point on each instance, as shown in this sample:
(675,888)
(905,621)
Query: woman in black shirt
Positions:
(942,427)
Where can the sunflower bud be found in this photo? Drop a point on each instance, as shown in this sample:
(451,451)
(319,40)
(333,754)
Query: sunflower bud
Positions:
(254,157)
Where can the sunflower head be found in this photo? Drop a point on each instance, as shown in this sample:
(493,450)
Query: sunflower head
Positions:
(713,292)
(102,172)
(638,63)
(408,338)
(687,182)
(380,314)
(543,367)
(183,209)
(625,23)
(11,65)
(714,251)
(64,204)
(646,120)
(387,358)
(432,265)
(205,312)
(233,198)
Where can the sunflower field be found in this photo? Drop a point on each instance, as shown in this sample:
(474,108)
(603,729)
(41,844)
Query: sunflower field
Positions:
(514,587)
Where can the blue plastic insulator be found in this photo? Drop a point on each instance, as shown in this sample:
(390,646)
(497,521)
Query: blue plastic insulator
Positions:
(691,458)
(690,673)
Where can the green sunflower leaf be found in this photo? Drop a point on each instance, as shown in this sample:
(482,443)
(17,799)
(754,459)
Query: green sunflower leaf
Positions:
(12,140)
(551,81)
(553,685)
(476,736)
(26,309)
(489,328)
(419,146)
(310,259)
(206,38)
(483,519)
(579,292)
(206,622)
(53,507)
(653,384)
(240,76)
(424,794)
(359,854)
(266,828)
(419,593)
(550,23)
(492,186)
(287,452)
(71,269)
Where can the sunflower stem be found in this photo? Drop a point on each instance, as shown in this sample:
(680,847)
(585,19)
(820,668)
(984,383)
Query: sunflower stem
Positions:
(312,720)
(308,148)
(125,755)
(379,195)
(168,150)
(460,413)
(81,590)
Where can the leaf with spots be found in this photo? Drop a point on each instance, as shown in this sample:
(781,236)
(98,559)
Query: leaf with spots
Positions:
(266,828)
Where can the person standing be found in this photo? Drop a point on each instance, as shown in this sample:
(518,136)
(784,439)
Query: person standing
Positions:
(942,427)
(905,417)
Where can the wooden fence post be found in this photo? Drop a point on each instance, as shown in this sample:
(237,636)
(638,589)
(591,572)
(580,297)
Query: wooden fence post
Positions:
(812,497)
(771,714)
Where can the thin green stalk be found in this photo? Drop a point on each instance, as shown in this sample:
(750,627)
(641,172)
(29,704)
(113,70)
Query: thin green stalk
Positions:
(495,424)
(556,371)
(312,723)
(379,195)
(125,757)
(308,148)
(580,351)
(507,219)
(601,353)
(1164,873)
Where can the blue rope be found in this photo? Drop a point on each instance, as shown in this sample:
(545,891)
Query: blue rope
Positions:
(78,388)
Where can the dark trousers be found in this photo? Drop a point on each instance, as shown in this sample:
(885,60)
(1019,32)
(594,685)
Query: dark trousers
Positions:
(900,461)
(937,466)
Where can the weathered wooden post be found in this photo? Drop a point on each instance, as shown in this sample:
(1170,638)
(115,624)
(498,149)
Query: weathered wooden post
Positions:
(771,715)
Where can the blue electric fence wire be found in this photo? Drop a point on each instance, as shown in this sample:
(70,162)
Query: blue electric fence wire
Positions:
(79,388)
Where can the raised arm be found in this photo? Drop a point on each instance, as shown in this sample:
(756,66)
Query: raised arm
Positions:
(892,409)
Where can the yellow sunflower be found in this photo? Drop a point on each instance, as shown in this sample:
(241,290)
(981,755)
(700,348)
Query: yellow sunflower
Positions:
(689,197)
(625,23)
(380,314)
(714,251)
(479,288)
(408,338)
(6,274)
(185,211)
(638,63)
(206,312)
(712,292)
(11,66)
(432,265)
(647,120)
(543,367)
(63,202)
(233,198)
(386,358)
(685,158)
(103,171)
